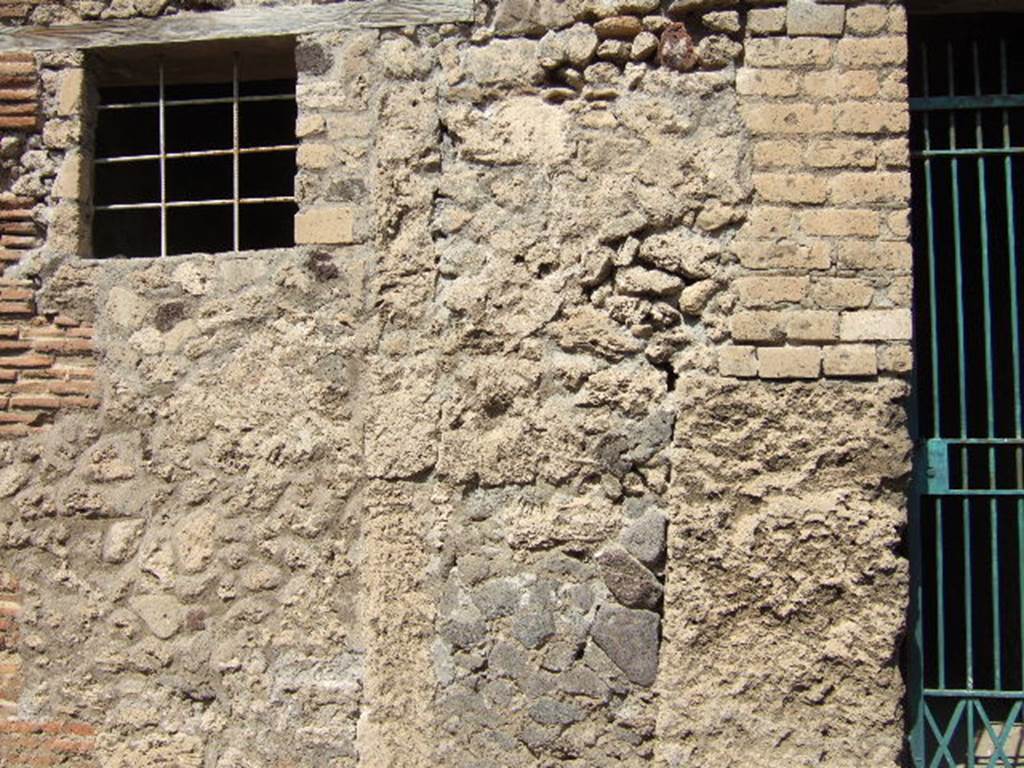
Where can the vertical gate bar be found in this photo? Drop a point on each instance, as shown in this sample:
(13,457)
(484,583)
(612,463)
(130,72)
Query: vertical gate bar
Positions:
(163,164)
(235,157)
(990,412)
(962,377)
(940,622)
(918,740)
(1011,242)
(1018,408)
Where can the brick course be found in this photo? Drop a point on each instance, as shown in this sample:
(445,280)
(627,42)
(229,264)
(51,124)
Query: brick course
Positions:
(824,252)
(46,362)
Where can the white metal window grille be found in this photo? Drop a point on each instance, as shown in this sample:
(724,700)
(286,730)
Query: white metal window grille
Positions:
(195,166)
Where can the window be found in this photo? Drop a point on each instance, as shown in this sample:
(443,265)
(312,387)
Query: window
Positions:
(194,149)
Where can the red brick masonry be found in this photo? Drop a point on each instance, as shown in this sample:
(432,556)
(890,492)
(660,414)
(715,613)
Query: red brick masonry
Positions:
(26,744)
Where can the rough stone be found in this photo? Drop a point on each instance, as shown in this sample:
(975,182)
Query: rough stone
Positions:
(548,711)
(676,49)
(644,538)
(120,541)
(632,584)
(645,45)
(533,626)
(618,28)
(580,43)
(604,8)
(630,638)
(528,17)
(614,50)
(717,51)
(639,280)
(722,21)
(162,614)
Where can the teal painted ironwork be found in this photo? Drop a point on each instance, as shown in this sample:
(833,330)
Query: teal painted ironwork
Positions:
(966,665)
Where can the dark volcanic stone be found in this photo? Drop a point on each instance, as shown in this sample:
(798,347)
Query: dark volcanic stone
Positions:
(630,638)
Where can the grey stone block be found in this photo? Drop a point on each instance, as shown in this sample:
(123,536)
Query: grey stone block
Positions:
(631,583)
(631,639)
(644,538)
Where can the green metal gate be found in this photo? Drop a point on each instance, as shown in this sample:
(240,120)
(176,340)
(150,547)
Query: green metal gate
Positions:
(967,516)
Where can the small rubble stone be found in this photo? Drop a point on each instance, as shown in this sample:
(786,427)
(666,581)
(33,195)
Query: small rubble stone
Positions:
(602,9)
(652,435)
(163,615)
(722,21)
(120,540)
(533,627)
(583,682)
(464,628)
(614,50)
(655,24)
(645,45)
(632,584)
(676,50)
(717,51)
(640,281)
(682,7)
(603,73)
(497,598)
(596,266)
(630,639)
(580,44)
(695,297)
(618,28)
(551,50)
(548,711)
(627,252)
(558,95)
(571,77)
(644,538)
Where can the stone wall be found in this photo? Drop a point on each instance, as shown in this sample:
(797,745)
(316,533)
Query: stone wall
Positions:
(570,433)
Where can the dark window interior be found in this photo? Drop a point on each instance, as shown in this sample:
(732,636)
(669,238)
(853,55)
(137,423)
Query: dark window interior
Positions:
(966,78)
(147,192)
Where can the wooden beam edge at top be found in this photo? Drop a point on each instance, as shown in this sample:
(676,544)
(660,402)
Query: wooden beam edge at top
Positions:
(236,23)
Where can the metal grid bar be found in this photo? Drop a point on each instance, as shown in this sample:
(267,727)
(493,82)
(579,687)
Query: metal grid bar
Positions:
(967,152)
(234,156)
(954,102)
(194,203)
(163,166)
(199,102)
(197,153)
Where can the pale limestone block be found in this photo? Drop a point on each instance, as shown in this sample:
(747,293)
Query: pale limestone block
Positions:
(766,21)
(789,362)
(850,360)
(740,362)
(876,325)
(763,291)
(812,325)
(326,225)
(810,18)
(70,92)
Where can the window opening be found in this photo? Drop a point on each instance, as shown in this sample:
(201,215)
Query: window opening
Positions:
(967,512)
(199,159)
